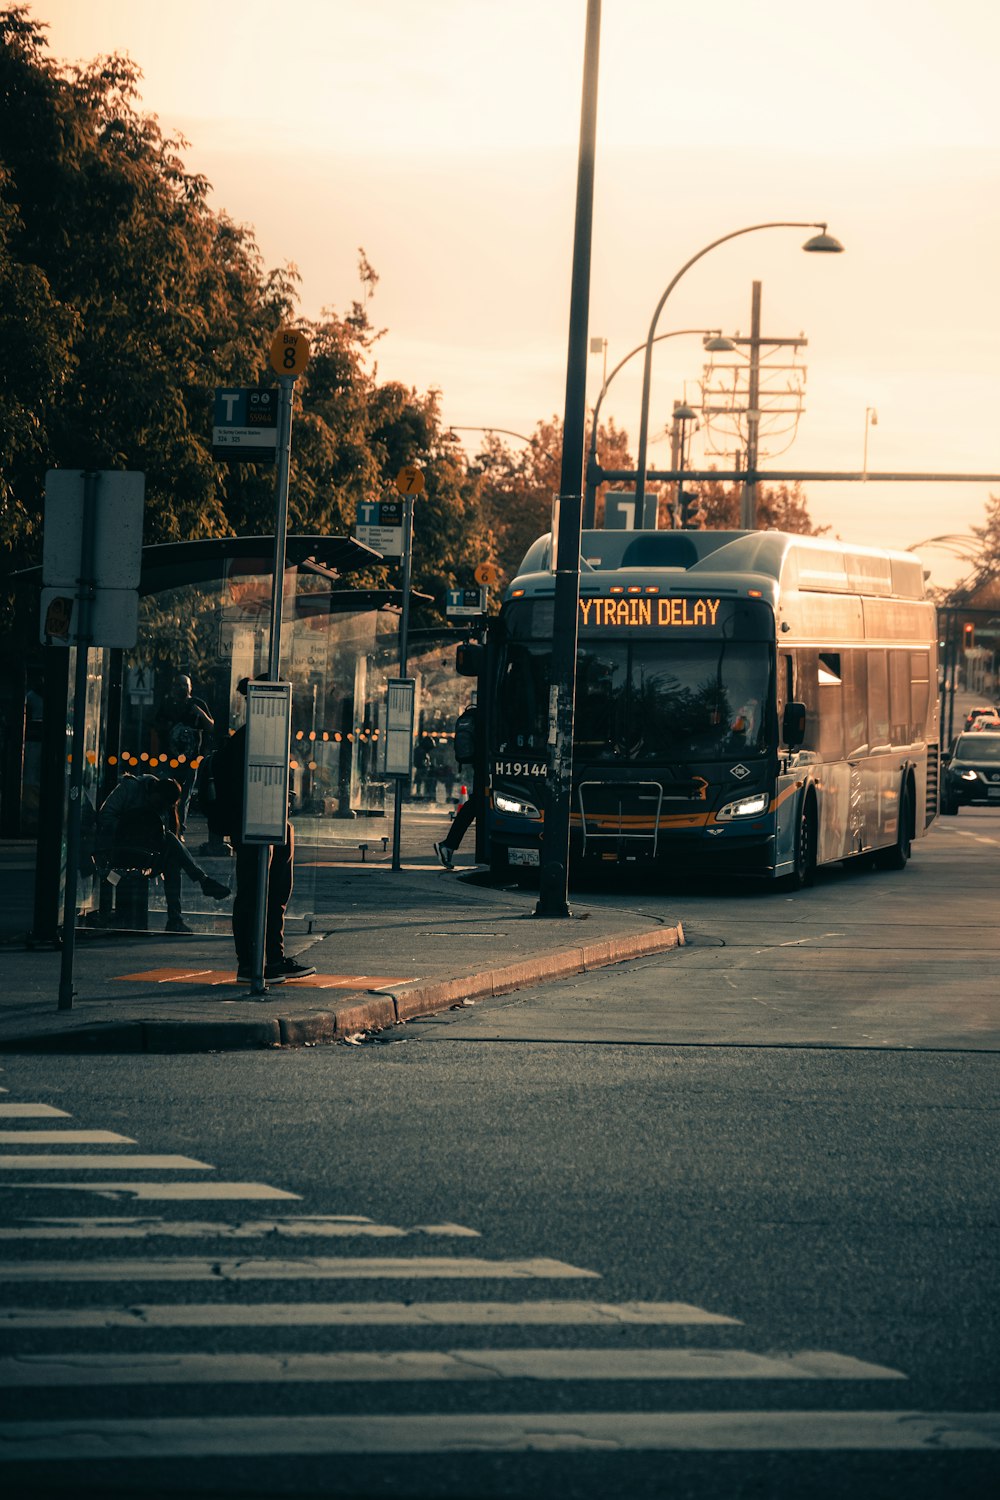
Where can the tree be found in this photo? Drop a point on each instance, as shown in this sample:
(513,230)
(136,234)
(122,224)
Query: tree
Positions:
(126,300)
(780,507)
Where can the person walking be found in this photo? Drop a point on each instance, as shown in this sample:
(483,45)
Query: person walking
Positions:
(465,755)
(137,829)
(229,780)
(181,722)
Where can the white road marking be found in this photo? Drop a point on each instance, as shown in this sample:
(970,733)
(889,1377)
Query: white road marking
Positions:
(31,1112)
(33,1370)
(328,1226)
(55,1162)
(163,1191)
(64,1138)
(568,1313)
(347,1268)
(547,1432)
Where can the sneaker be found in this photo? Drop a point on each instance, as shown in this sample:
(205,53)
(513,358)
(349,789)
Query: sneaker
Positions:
(243,976)
(445,854)
(177,924)
(287,968)
(215,888)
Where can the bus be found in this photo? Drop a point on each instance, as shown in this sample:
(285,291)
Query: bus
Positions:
(753,703)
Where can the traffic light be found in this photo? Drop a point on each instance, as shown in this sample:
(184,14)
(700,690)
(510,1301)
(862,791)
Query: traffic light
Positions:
(692,514)
(968,635)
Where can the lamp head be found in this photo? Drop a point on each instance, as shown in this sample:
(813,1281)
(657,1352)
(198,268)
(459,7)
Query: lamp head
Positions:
(684,413)
(824,242)
(719,344)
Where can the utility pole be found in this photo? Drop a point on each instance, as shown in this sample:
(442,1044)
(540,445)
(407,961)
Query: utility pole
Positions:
(754,410)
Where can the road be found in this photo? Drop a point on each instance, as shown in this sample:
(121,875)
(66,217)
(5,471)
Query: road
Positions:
(719,1224)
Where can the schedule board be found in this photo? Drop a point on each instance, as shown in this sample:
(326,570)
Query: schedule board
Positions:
(269,732)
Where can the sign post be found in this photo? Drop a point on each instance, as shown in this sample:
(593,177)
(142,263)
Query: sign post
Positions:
(289,355)
(91,560)
(409,482)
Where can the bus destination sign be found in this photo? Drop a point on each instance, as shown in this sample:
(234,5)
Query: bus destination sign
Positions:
(630,610)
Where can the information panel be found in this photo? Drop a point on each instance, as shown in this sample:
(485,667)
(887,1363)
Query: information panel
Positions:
(399,700)
(269,731)
(245,425)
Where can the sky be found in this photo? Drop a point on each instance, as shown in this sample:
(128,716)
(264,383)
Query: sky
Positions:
(442,137)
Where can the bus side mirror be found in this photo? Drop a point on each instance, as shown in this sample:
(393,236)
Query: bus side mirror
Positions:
(793,725)
(470,659)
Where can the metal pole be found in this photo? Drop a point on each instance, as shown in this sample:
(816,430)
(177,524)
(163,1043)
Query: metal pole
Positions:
(647,370)
(404,648)
(554,874)
(593,467)
(286,385)
(85,595)
(748,507)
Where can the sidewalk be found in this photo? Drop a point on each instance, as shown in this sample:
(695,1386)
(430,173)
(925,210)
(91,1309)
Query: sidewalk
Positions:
(388,946)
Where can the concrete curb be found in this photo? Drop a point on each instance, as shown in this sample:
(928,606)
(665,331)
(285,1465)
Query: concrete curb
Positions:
(380,1010)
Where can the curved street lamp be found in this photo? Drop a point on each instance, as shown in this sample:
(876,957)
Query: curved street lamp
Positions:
(822,242)
(712,340)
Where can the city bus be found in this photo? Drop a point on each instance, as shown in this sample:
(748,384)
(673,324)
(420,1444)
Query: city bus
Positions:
(753,703)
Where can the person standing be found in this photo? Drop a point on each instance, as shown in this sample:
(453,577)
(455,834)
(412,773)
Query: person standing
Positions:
(229,778)
(180,724)
(137,824)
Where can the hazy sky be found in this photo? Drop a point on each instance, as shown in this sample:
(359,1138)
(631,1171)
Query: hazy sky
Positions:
(442,137)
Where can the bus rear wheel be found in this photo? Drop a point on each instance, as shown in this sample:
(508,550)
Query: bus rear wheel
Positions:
(804,873)
(897,856)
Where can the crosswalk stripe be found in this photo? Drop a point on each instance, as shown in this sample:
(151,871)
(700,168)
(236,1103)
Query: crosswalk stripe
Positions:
(164,1191)
(326,1226)
(348,1267)
(58,1162)
(549,1432)
(34,1370)
(64,1138)
(31,1112)
(562,1313)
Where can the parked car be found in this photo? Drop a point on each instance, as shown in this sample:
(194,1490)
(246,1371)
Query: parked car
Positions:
(971,772)
(987,711)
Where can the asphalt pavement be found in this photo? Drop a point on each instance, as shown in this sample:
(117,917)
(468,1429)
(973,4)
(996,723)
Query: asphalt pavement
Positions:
(388,945)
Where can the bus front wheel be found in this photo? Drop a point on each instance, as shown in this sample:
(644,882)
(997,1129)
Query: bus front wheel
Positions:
(804,873)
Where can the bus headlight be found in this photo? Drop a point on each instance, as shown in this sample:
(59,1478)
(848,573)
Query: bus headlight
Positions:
(744,807)
(504,803)
(970,775)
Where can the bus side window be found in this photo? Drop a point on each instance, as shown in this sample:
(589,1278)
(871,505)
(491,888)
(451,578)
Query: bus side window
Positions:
(807,692)
(831,706)
(878,700)
(920,688)
(900,708)
(855,703)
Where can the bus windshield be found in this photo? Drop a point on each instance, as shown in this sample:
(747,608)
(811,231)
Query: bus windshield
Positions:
(642,702)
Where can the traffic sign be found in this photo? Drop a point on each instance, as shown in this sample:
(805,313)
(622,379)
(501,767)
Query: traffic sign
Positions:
(380,525)
(245,425)
(117,542)
(487,575)
(114,618)
(410,480)
(289,352)
(466,602)
(139,685)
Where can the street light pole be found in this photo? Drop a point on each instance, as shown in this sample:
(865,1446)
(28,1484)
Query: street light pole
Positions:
(820,242)
(718,343)
(554,872)
(871,420)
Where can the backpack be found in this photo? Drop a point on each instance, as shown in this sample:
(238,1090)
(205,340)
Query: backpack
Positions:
(184,740)
(218,790)
(206,795)
(138,842)
(465,737)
